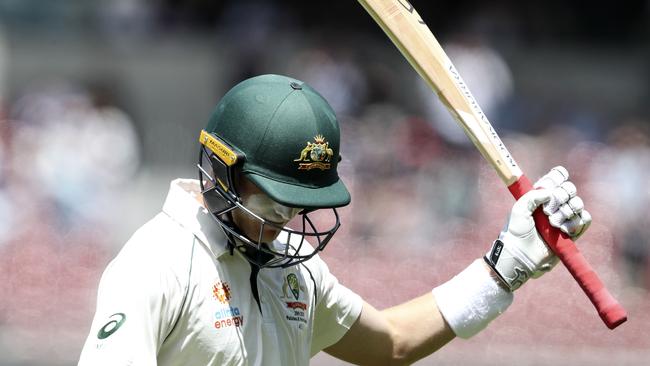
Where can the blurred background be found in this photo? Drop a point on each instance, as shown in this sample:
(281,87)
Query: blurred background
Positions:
(101,102)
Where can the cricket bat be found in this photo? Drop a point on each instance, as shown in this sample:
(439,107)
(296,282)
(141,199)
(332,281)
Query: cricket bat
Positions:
(401,22)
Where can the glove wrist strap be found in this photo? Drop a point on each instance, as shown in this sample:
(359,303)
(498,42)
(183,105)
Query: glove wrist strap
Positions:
(508,266)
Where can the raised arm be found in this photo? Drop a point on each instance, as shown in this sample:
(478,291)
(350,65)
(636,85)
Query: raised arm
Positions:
(467,303)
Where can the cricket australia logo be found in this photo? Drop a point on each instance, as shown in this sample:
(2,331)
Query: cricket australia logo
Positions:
(291,290)
(316,155)
(292,284)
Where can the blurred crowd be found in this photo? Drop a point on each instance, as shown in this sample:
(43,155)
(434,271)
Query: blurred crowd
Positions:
(424,202)
(65,155)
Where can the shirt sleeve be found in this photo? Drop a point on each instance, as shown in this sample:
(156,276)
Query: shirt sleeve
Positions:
(337,307)
(138,302)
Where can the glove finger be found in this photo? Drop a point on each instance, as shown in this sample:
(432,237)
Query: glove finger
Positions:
(554,178)
(577,225)
(586,219)
(557,218)
(561,195)
(573,208)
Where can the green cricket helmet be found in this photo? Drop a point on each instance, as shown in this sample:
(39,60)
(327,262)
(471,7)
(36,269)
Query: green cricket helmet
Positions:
(283,136)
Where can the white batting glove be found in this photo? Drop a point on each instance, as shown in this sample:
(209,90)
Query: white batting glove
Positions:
(565,210)
(520,252)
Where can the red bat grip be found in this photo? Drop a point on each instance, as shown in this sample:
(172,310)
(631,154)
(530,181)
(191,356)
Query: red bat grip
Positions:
(609,310)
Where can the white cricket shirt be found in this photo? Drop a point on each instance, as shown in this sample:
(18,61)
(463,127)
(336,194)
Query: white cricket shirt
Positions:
(174,296)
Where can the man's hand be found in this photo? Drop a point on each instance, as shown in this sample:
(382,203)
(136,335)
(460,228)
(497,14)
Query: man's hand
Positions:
(520,252)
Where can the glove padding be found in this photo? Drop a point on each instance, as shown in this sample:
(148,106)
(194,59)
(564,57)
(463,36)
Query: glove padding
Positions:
(520,252)
(565,210)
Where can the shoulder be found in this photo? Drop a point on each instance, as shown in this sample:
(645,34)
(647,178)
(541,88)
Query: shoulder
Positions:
(160,250)
(159,240)
(161,233)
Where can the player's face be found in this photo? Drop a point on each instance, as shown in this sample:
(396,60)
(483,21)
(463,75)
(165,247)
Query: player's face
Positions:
(263,206)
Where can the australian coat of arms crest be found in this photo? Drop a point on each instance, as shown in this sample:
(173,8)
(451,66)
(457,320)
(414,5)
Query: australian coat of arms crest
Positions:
(316,155)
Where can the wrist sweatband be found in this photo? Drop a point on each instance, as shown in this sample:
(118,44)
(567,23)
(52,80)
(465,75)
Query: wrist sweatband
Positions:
(472,299)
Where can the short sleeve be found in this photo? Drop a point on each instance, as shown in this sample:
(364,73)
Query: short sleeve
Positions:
(337,307)
(138,302)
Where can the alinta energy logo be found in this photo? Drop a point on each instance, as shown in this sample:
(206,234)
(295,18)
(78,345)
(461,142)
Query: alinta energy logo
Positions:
(221,292)
(226,315)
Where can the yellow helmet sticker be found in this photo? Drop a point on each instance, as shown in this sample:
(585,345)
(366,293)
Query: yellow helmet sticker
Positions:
(223,152)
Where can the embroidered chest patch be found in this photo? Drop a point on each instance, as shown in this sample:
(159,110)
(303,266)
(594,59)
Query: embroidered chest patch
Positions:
(294,296)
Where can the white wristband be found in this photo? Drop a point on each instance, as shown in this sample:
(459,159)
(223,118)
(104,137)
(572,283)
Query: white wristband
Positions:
(472,299)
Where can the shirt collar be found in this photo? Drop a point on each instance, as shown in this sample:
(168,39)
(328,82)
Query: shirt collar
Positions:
(184,208)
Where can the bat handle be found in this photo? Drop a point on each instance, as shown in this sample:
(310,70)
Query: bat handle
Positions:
(609,310)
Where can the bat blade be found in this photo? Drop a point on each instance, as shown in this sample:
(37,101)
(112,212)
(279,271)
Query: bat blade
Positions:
(403,25)
(406,29)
